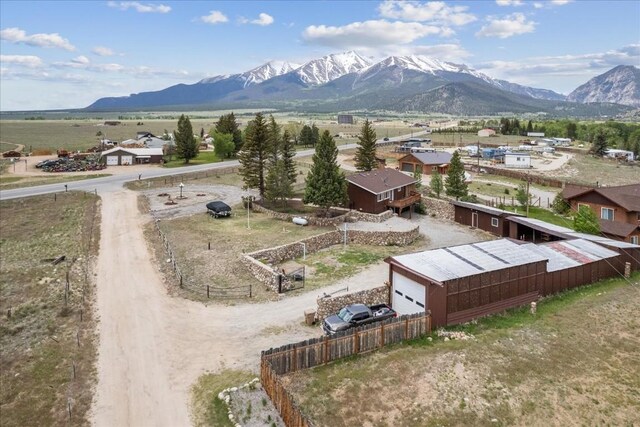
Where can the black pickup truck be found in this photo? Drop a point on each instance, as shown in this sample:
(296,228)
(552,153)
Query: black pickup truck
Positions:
(356,315)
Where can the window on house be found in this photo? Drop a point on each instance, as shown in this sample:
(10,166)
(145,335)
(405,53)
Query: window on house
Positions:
(386,195)
(634,240)
(494,222)
(434,168)
(606,213)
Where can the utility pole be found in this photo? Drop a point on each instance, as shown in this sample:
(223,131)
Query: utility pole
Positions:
(478,154)
(528,197)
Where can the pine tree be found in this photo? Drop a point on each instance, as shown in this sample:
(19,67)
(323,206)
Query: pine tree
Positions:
(186,144)
(306,136)
(436,183)
(279,185)
(315,134)
(254,154)
(454,183)
(599,143)
(586,221)
(275,140)
(287,154)
(223,144)
(326,185)
(366,151)
(227,124)
(530,126)
(417,175)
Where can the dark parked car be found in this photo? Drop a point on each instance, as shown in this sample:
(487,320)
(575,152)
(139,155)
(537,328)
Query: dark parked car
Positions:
(386,139)
(218,208)
(355,315)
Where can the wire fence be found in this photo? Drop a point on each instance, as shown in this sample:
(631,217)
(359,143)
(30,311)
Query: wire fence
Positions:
(209,291)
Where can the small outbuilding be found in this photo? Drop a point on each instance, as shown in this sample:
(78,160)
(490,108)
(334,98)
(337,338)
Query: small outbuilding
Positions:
(120,156)
(517,160)
(487,218)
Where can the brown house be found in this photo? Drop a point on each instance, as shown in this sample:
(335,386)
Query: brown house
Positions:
(381,189)
(428,162)
(486,218)
(618,208)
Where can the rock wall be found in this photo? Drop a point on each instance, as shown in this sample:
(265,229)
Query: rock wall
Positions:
(313,220)
(368,217)
(441,208)
(331,305)
(262,263)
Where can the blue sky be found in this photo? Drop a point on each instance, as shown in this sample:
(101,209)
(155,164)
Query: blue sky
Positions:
(57,55)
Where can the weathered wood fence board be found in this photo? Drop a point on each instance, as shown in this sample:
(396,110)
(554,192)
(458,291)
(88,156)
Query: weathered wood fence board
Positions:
(320,351)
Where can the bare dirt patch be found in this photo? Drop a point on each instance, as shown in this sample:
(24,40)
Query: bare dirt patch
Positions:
(587,169)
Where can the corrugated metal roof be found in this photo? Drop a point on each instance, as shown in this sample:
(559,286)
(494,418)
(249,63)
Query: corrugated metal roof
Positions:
(569,233)
(484,208)
(468,260)
(570,253)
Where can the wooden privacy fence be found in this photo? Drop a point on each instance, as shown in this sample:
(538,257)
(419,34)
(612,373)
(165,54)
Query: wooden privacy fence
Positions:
(320,351)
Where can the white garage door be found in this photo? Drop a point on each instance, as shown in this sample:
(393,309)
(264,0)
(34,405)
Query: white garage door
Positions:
(408,296)
(126,160)
(112,160)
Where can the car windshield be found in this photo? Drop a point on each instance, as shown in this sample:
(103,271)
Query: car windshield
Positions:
(345,315)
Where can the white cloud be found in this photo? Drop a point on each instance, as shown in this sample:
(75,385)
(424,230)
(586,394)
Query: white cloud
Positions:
(53,40)
(214,17)
(140,7)
(371,34)
(549,4)
(560,2)
(509,2)
(508,26)
(29,61)
(435,11)
(82,60)
(102,51)
(263,19)
(538,70)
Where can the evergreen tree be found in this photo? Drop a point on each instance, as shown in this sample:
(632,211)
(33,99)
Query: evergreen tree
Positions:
(201,133)
(227,124)
(275,140)
(599,143)
(529,126)
(326,185)
(279,185)
(454,183)
(586,221)
(366,151)
(315,134)
(572,130)
(436,183)
(254,154)
(186,144)
(306,136)
(417,175)
(287,154)
(560,205)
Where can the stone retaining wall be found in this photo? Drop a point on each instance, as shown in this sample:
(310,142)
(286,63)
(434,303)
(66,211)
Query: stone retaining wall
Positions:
(261,263)
(442,208)
(368,217)
(331,305)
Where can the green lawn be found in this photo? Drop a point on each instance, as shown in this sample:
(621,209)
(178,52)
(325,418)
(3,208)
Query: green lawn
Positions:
(543,215)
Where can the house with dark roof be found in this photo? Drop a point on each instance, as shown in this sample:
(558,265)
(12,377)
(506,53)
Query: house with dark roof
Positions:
(618,208)
(381,189)
(427,162)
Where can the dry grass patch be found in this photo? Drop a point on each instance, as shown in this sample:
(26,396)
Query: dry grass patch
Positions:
(39,341)
(589,169)
(576,363)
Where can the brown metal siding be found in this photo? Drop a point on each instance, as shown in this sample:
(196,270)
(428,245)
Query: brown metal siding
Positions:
(463,215)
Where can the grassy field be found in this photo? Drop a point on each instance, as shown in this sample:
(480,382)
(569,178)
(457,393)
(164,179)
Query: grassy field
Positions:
(589,170)
(577,362)
(202,158)
(543,215)
(8,182)
(42,339)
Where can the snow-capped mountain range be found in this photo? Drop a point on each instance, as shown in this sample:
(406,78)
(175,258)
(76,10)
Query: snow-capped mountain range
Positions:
(340,80)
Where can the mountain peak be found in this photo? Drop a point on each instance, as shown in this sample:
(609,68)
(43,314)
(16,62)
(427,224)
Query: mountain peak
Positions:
(331,67)
(620,85)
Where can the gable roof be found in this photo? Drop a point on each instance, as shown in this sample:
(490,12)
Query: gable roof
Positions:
(380,180)
(434,158)
(626,196)
(617,228)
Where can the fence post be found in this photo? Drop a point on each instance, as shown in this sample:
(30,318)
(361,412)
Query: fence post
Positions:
(406,328)
(181,280)
(382,334)
(294,364)
(250,291)
(326,351)
(207,291)
(356,343)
